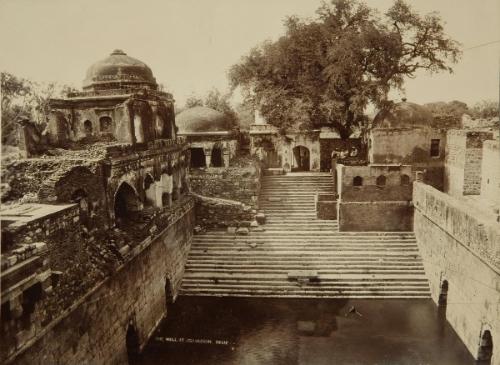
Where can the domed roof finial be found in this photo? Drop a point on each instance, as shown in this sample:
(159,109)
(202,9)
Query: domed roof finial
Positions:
(118,52)
(404,100)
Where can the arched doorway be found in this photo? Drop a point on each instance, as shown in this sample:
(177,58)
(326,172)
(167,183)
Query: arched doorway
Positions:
(485,348)
(149,191)
(216,158)
(132,343)
(169,291)
(105,124)
(197,158)
(443,295)
(127,204)
(301,158)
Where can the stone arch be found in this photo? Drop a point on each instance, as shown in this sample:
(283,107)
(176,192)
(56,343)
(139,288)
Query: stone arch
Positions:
(357,181)
(381,180)
(62,128)
(149,190)
(302,158)
(132,343)
(485,351)
(443,294)
(88,128)
(126,203)
(197,157)
(216,158)
(405,180)
(105,124)
(169,290)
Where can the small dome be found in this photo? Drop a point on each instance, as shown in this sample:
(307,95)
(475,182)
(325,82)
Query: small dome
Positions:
(201,119)
(119,71)
(404,115)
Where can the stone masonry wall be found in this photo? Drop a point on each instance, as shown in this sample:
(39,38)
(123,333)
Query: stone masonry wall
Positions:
(240,182)
(490,183)
(93,330)
(222,213)
(461,245)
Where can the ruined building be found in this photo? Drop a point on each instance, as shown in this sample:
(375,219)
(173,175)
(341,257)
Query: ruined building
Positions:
(97,223)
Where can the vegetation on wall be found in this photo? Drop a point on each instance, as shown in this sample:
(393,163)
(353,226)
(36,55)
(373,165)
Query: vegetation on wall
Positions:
(329,69)
(23,99)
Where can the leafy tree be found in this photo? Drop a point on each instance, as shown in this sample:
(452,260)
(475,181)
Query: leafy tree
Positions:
(448,115)
(485,109)
(219,102)
(193,101)
(326,71)
(26,99)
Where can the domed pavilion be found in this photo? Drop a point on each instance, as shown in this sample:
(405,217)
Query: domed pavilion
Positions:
(120,102)
(211,137)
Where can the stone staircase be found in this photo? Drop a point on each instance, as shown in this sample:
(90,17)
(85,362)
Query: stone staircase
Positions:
(297,255)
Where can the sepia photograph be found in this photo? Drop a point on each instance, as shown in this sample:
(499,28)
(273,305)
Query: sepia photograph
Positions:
(250,182)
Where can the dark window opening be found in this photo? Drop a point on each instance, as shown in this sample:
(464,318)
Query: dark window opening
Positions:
(357,181)
(486,348)
(105,124)
(132,343)
(216,158)
(87,128)
(148,181)
(197,157)
(435,147)
(126,204)
(405,180)
(381,180)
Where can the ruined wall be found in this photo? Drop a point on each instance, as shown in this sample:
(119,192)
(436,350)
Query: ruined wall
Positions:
(460,244)
(277,150)
(213,213)
(464,151)
(93,330)
(411,146)
(240,182)
(372,206)
(490,182)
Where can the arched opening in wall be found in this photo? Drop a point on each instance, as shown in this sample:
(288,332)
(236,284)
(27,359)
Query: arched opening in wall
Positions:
(197,157)
(165,200)
(149,192)
(80,197)
(301,158)
(405,180)
(127,205)
(133,344)
(485,348)
(381,180)
(105,124)
(357,181)
(216,158)
(169,291)
(443,294)
(87,128)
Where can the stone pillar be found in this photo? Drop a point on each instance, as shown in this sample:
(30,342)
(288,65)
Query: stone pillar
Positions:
(158,191)
(334,172)
(226,158)
(208,156)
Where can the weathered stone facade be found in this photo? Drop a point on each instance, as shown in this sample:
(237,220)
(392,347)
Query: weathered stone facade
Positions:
(374,197)
(94,329)
(464,151)
(460,247)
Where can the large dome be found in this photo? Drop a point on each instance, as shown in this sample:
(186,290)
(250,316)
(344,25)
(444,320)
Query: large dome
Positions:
(201,119)
(119,71)
(404,115)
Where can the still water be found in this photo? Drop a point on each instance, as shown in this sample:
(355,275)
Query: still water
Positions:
(257,331)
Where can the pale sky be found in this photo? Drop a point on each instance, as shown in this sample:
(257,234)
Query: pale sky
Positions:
(190,44)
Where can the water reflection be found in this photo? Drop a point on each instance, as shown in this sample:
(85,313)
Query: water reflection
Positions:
(240,331)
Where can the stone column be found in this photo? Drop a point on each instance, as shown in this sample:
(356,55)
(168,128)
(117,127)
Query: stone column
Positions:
(226,158)
(208,156)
